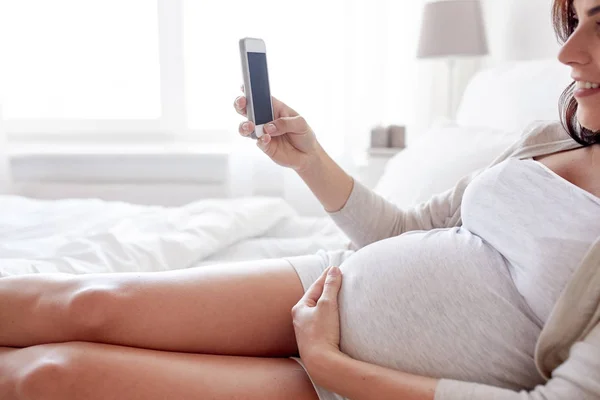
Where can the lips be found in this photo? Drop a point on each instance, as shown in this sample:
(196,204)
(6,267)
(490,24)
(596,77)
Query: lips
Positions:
(585,89)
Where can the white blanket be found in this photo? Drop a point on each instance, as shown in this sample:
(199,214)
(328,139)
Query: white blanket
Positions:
(88,236)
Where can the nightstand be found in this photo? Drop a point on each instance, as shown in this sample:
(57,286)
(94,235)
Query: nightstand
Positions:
(376,161)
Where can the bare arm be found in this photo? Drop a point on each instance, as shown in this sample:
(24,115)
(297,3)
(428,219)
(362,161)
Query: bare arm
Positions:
(328,181)
(358,380)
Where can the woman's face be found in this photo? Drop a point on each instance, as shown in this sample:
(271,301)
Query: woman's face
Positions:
(582,53)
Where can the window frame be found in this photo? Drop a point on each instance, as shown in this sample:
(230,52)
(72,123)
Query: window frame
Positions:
(171,125)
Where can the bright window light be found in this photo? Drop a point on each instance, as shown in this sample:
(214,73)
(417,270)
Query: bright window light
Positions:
(305,55)
(79,59)
(170,69)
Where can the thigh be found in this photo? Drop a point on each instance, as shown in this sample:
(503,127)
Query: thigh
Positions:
(90,371)
(231,309)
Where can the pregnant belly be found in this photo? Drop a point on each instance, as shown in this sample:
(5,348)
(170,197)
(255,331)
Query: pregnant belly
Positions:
(441,304)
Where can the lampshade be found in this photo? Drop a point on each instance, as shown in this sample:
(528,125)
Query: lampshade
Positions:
(452,28)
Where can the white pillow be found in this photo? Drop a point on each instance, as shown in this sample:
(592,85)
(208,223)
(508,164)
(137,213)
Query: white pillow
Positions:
(438,160)
(511,95)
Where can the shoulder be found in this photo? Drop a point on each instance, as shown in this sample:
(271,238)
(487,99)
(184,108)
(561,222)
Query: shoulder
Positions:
(538,138)
(544,132)
(541,138)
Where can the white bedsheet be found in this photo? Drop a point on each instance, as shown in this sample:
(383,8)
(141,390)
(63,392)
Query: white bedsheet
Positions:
(88,235)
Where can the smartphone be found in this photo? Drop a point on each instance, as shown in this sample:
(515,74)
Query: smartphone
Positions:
(259,107)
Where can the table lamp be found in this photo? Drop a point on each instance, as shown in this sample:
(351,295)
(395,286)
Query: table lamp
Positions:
(452,29)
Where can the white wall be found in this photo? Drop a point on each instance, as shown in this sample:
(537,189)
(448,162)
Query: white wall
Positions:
(519,30)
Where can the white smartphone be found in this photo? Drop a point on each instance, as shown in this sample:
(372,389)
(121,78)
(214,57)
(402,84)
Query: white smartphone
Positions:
(259,107)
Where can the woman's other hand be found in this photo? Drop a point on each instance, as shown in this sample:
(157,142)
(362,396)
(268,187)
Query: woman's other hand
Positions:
(317,320)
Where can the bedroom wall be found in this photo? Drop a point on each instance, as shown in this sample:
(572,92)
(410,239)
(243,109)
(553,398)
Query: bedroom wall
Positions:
(519,30)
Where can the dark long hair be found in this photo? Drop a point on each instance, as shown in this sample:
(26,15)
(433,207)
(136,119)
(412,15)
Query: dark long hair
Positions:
(564,25)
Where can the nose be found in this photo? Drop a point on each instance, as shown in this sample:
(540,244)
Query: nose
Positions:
(575,50)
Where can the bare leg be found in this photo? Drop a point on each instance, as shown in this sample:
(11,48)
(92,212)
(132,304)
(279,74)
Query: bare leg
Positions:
(231,309)
(91,371)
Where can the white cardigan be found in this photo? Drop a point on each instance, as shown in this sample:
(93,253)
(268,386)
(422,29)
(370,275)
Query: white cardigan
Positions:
(568,349)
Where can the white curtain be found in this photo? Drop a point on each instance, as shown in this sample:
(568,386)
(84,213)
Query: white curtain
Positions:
(350,68)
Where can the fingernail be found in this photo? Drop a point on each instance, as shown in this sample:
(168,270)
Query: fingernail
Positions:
(246,126)
(334,271)
(238,101)
(269,128)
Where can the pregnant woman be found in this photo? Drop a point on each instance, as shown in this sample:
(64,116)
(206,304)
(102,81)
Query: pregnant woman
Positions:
(488,291)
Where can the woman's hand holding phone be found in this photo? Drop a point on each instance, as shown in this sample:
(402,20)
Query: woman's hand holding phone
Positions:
(288,140)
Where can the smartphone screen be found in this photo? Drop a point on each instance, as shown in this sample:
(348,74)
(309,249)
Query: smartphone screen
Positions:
(261,93)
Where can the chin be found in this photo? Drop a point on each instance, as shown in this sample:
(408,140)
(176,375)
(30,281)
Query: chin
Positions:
(589,120)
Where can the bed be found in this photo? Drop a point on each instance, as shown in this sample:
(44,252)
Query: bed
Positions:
(90,235)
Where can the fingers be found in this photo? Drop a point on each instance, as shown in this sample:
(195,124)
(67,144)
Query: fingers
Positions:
(331,288)
(289,121)
(240,105)
(263,144)
(294,125)
(246,128)
(315,291)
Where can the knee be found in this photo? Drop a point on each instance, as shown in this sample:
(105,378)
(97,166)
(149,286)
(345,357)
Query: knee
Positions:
(49,377)
(93,308)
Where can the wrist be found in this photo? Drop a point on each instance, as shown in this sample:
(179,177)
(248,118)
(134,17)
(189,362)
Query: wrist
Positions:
(315,162)
(322,366)
(328,182)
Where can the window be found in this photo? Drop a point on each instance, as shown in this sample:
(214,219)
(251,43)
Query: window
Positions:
(75,60)
(121,68)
